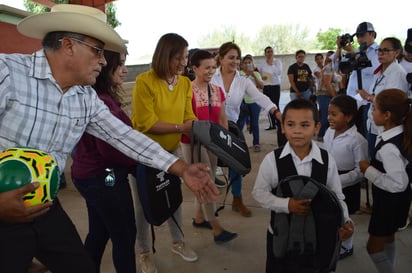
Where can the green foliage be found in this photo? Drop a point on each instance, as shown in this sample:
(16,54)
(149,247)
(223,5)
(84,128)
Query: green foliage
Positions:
(37,8)
(283,39)
(327,39)
(111,15)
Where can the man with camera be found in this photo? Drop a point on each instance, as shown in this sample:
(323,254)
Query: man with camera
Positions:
(360,64)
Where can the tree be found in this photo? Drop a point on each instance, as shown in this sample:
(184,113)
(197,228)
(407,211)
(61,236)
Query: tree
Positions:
(327,39)
(283,39)
(226,34)
(37,8)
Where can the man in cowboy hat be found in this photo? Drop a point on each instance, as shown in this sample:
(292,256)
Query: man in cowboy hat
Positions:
(47,103)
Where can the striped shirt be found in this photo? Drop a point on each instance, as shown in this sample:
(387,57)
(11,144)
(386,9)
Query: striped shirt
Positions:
(34,112)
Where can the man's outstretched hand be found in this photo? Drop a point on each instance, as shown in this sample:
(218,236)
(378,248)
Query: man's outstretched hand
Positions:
(197,179)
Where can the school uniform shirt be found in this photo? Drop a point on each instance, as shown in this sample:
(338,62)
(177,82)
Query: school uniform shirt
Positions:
(267,179)
(347,149)
(35,112)
(234,96)
(393,77)
(395,179)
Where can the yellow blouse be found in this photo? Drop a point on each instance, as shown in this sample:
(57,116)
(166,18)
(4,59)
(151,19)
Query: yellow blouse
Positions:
(153,102)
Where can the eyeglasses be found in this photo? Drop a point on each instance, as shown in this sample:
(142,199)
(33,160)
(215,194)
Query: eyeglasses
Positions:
(99,51)
(384,50)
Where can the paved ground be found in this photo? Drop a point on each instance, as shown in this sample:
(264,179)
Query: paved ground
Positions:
(245,254)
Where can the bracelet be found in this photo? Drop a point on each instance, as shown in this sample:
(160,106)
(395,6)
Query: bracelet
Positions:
(178,128)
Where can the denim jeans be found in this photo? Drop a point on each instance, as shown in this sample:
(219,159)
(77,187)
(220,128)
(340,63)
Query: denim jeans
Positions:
(305,94)
(111,216)
(236,180)
(253,117)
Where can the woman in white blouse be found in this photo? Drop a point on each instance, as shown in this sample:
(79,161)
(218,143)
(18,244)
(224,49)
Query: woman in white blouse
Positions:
(235,87)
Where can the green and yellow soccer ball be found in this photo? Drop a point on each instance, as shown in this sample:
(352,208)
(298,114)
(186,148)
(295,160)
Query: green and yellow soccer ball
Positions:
(20,166)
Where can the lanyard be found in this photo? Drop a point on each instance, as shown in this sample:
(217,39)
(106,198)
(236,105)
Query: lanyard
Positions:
(377,82)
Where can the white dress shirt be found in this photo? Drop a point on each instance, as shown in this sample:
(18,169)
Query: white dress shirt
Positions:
(395,179)
(348,149)
(267,179)
(240,86)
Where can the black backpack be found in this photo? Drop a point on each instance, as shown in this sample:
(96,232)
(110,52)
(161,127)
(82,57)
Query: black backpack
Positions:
(160,194)
(306,243)
(228,145)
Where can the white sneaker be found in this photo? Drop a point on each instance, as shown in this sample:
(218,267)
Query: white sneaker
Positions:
(219,171)
(187,253)
(146,263)
(408,221)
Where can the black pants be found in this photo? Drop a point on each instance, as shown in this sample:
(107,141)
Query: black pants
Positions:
(51,238)
(273,92)
(111,216)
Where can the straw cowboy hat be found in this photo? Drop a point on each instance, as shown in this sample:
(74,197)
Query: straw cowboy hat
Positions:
(73,18)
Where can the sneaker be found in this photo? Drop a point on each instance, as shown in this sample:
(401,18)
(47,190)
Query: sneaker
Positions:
(36,267)
(187,254)
(224,236)
(204,224)
(219,171)
(219,183)
(408,221)
(146,263)
(345,252)
(257,148)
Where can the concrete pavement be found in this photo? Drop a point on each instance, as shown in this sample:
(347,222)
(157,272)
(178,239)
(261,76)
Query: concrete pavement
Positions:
(245,254)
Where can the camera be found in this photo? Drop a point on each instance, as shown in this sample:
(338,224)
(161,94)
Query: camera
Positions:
(356,61)
(409,78)
(250,67)
(346,39)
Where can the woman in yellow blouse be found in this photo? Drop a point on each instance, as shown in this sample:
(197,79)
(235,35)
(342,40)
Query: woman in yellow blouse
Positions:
(162,110)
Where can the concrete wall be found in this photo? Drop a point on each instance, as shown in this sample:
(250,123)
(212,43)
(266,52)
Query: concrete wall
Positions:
(286,60)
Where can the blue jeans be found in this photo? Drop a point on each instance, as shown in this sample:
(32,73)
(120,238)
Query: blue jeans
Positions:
(323,101)
(254,111)
(305,94)
(111,216)
(236,180)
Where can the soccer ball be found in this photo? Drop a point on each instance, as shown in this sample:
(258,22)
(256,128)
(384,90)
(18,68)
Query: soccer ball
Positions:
(20,166)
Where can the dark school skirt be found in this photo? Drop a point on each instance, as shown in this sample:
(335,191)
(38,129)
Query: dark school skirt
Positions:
(389,211)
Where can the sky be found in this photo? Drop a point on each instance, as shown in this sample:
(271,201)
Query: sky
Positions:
(144,22)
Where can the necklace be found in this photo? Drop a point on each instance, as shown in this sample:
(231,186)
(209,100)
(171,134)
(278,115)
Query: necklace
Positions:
(170,84)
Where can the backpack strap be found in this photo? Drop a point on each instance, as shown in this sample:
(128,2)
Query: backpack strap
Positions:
(293,233)
(302,231)
(280,221)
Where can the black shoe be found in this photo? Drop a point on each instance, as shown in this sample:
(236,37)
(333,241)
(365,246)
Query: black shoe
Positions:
(204,224)
(344,252)
(219,183)
(270,128)
(224,236)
